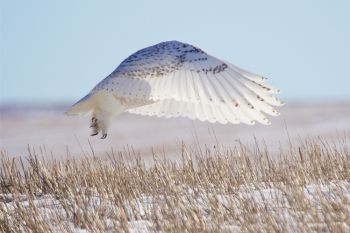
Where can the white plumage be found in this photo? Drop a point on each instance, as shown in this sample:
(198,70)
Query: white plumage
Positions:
(173,79)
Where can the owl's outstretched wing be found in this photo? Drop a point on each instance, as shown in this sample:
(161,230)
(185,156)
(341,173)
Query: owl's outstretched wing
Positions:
(178,79)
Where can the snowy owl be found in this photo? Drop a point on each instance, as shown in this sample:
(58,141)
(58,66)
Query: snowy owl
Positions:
(175,79)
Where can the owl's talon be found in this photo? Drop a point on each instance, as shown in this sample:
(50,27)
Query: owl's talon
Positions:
(93,123)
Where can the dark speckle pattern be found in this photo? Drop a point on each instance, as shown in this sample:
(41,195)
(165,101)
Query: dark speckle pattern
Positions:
(164,58)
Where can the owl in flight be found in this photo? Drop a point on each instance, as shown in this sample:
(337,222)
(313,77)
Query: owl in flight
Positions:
(175,79)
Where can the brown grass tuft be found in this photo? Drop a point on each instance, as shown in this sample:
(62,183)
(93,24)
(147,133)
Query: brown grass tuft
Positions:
(304,189)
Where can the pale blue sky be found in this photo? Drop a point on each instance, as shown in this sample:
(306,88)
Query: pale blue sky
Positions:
(58,50)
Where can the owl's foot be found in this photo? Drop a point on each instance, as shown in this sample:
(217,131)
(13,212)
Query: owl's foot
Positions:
(96,128)
(93,123)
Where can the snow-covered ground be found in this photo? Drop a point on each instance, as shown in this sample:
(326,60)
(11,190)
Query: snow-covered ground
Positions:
(270,199)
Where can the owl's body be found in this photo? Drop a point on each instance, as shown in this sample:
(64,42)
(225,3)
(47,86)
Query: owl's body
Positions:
(173,79)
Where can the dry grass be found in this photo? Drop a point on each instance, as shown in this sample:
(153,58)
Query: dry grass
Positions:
(303,189)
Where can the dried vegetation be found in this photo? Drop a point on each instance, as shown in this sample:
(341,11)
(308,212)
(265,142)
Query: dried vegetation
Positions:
(243,189)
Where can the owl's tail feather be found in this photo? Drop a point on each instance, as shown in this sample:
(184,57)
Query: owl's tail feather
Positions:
(83,106)
(99,102)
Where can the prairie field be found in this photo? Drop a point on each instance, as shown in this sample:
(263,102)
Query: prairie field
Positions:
(304,189)
(291,177)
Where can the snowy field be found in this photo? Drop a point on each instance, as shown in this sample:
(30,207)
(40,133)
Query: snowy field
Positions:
(307,189)
(271,199)
(158,175)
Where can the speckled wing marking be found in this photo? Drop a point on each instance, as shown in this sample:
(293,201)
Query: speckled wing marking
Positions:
(163,59)
(177,79)
(141,75)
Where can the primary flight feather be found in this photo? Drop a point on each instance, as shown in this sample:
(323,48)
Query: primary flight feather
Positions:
(173,79)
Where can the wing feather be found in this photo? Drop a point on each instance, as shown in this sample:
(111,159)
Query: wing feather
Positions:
(255,98)
(203,92)
(210,89)
(172,108)
(249,75)
(248,115)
